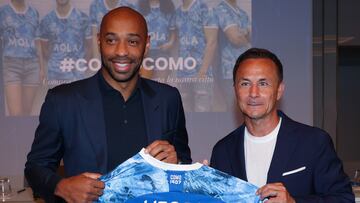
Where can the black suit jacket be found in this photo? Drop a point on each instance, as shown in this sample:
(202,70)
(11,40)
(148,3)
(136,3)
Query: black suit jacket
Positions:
(72,128)
(297,146)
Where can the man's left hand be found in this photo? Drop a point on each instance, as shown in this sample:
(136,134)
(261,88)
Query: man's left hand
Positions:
(275,192)
(163,151)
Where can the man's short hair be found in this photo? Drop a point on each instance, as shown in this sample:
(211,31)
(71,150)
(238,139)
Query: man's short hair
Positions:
(258,53)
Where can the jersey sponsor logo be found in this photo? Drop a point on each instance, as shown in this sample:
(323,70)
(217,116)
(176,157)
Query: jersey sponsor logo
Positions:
(66,48)
(20,42)
(157,36)
(175,179)
(189,40)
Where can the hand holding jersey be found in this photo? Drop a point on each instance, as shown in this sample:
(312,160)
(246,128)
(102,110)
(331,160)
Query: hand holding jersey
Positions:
(277,192)
(87,187)
(145,179)
(162,150)
(81,188)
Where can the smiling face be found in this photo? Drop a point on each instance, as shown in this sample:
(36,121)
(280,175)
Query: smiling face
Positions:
(123,41)
(258,88)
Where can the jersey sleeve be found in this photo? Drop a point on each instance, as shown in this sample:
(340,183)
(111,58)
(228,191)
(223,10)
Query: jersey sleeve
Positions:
(93,13)
(208,16)
(226,18)
(43,31)
(87,25)
(210,19)
(37,26)
(172,21)
(244,19)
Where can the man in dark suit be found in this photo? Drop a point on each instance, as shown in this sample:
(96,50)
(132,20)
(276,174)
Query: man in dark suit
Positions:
(97,123)
(289,161)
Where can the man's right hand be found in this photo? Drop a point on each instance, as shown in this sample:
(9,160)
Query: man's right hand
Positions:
(276,193)
(81,188)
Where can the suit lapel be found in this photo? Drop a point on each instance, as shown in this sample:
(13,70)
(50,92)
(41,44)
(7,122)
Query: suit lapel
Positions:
(93,119)
(238,155)
(285,145)
(151,111)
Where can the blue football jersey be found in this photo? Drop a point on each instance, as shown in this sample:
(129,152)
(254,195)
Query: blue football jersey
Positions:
(98,8)
(190,24)
(228,16)
(159,25)
(143,178)
(19,30)
(66,37)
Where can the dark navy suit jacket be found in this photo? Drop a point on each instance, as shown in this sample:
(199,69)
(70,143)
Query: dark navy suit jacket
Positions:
(72,128)
(297,146)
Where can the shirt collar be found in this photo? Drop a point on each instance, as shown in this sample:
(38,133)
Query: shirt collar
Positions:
(107,89)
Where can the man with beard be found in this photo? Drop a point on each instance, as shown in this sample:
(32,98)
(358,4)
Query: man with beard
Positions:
(97,123)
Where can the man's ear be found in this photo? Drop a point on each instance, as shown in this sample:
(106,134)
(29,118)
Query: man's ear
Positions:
(280,90)
(98,39)
(147,45)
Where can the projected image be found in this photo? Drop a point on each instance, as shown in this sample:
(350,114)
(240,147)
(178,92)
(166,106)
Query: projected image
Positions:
(194,47)
(66,38)
(21,70)
(194,44)
(160,18)
(234,38)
